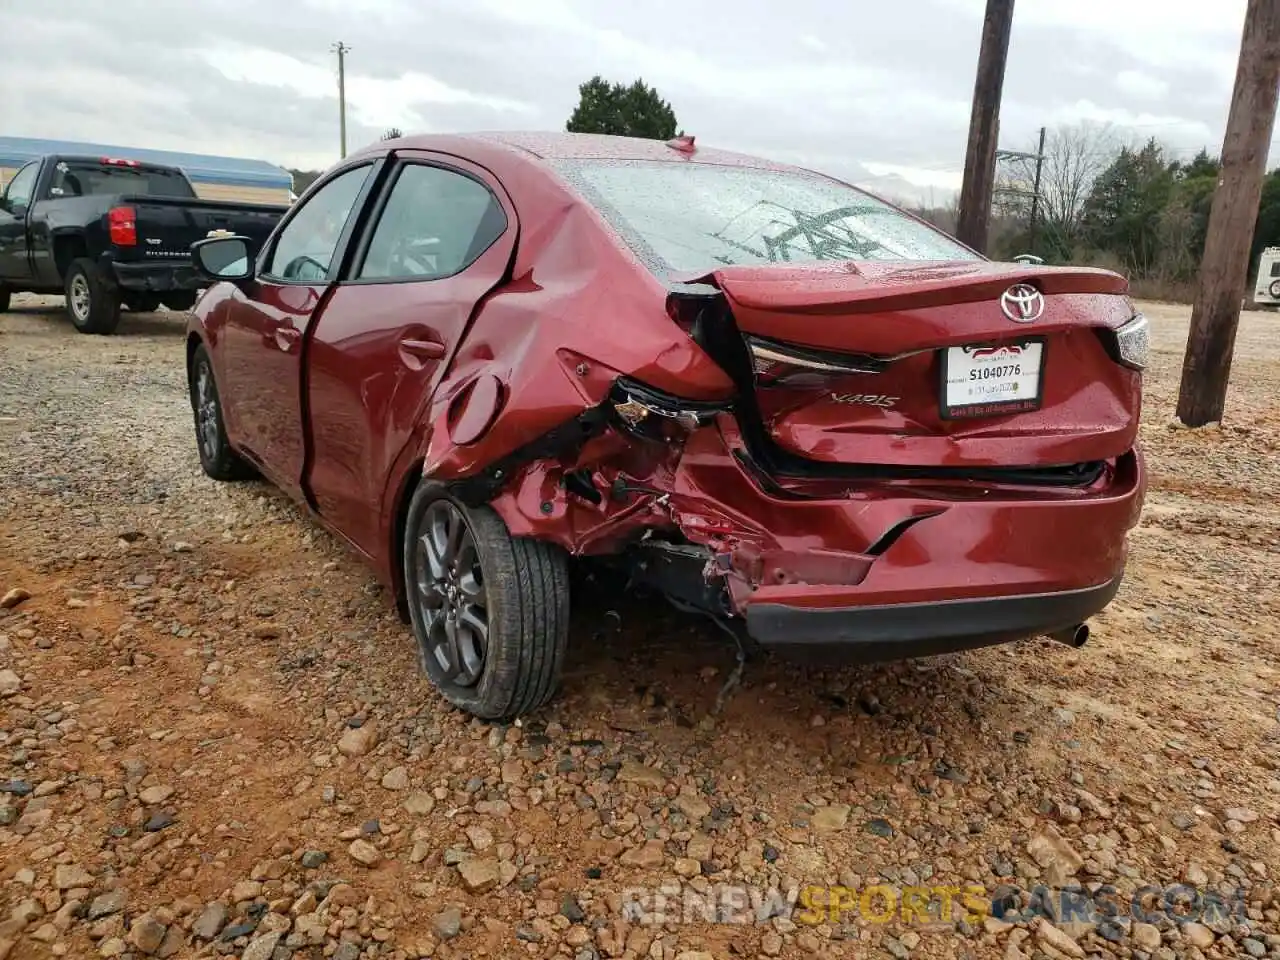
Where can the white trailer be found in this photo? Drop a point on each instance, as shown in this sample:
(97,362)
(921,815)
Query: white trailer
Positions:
(1266,291)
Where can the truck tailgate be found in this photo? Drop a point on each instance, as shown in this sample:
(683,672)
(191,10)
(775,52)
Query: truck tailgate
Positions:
(167,226)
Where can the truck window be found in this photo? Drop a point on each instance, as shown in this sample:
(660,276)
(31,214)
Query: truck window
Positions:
(18,193)
(86,178)
(1275,269)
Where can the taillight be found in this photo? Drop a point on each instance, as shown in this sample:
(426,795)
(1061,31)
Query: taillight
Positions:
(1133,346)
(122,225)
(1129,344)
(774,361)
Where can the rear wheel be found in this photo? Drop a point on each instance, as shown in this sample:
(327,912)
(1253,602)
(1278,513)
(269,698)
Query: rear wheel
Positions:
(217,457)
(490,611)
(93,301)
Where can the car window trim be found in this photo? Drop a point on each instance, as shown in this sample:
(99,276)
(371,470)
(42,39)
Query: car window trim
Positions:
(354,220)
(378,207)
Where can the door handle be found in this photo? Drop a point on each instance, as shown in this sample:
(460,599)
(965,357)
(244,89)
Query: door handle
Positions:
(287,338)
(422,349)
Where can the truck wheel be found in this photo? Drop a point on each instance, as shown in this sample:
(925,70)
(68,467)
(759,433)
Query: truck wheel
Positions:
(93,302)
(217,458)
(490,611)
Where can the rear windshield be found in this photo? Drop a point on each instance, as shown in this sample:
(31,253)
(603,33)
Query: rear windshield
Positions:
(84,178)
(690,217)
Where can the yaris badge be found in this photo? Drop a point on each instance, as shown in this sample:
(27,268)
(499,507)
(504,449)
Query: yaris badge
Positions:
(1022,303)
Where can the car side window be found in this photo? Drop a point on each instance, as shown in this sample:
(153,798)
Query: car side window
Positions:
(436,223)
(304,250)
(23,184)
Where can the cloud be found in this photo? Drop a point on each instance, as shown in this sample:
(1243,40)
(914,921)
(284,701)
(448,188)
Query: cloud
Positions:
(861,90)
(1137,85)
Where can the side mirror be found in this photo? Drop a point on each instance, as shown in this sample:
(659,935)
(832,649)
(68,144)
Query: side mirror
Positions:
(223,258)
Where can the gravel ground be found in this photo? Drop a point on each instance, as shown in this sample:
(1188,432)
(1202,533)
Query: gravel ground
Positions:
(214,740)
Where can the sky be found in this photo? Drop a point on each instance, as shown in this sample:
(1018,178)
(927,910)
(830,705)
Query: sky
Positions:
(875,92)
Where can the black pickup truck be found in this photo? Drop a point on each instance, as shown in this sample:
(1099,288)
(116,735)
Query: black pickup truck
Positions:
(110,232)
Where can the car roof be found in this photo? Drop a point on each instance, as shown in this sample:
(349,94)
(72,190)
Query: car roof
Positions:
(557,145)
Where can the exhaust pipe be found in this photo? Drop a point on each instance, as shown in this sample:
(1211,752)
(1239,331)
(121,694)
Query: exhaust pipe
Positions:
(1074,636)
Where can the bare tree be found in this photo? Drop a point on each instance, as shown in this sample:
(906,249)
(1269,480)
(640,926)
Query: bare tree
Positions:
(1074,156)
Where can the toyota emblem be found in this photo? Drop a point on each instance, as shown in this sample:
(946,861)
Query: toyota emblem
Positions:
(1022,303)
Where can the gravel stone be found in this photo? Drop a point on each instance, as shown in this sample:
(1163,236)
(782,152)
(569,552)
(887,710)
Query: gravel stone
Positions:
(205,651)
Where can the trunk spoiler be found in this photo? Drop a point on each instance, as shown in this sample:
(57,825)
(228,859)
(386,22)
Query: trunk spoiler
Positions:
(847,288)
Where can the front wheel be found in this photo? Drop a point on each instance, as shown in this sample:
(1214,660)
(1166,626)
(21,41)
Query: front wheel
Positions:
(490,611)
(93,301)
(217,458)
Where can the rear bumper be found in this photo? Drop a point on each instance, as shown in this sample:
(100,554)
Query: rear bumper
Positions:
(915,569)
(158,277)
(922,629)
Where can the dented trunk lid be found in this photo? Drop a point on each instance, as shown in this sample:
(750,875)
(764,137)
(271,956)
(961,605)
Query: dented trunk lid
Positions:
(973,364)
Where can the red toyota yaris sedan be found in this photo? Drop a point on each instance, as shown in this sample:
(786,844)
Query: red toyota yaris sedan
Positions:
(776,399)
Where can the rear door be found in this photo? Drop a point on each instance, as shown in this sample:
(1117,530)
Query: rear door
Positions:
(442,237)
(261,338)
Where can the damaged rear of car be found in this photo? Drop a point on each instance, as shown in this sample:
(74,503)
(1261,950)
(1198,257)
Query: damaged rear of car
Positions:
(795,408)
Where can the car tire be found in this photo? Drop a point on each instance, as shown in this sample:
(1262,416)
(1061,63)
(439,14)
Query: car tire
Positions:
(490,612)
(4,299)
(1274,290)
(93,301)
(217,457)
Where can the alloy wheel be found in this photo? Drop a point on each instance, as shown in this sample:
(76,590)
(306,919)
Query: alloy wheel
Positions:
(207,411)
(450,595)
(80,297)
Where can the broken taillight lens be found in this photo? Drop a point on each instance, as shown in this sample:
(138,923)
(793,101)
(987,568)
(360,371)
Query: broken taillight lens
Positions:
(646,410)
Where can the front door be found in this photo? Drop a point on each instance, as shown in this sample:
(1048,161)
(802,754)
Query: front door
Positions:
(263,332)
(389,332)
(15,263)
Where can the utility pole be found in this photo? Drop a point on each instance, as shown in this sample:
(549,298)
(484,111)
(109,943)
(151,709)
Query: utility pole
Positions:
(342,50)
(1206,367)
(984,124)
(1035,196)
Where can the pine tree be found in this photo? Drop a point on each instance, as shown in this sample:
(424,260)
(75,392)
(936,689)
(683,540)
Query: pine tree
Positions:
(634,111)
